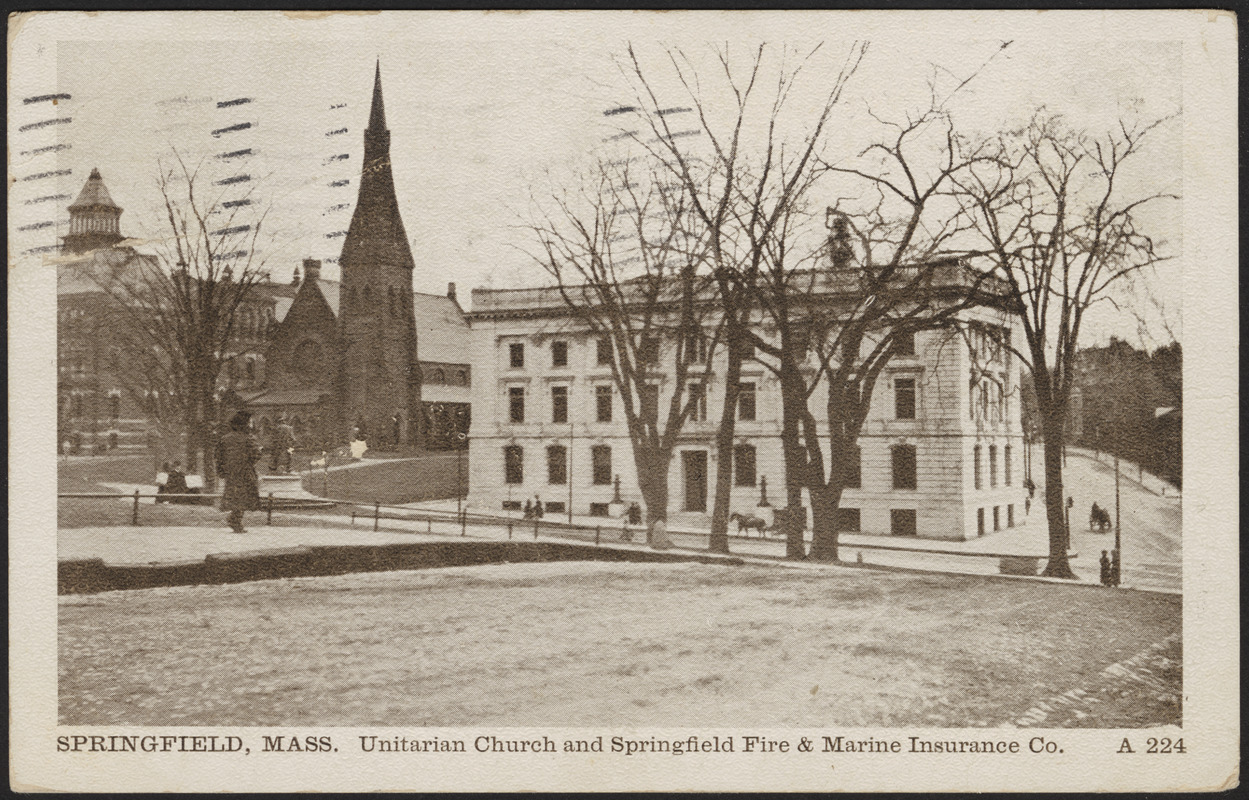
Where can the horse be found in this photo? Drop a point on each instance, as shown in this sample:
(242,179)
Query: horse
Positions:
(748,523)
(1099,519)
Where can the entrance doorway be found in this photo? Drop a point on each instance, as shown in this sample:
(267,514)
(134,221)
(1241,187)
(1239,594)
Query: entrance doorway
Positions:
(694,463)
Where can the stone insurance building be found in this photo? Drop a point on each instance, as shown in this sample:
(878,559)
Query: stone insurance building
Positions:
(940,452)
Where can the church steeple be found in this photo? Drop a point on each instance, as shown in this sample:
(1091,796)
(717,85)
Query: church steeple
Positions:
(376,233)
(94,219)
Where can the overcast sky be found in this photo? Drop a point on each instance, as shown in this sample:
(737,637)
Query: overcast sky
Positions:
(483,107)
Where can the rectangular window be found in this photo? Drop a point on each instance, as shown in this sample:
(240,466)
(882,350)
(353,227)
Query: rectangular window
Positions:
(854,472)
(555,506)
(649,397)
(980,522)
(997,519)
(559,354)
(602,402)
(600,464)
(516,404)
(511,505)
(698,402)
(904,398)
(993,465)
(746,402)
(1010,515)
(557,464)
(975,465)
(559,404)
(902,522)
(904,467)
(1006,465)
(744,465)
(516,355)
(513,464)
(598,509)
(904,343)
(648,350)
(848,520)
(695,348)
(603,351)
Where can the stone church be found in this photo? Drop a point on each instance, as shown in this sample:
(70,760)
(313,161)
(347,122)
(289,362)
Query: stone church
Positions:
(367,356)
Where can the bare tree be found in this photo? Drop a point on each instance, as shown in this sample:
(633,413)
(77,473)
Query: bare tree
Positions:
(626,254)
(179,309)
(1060,223)
(816,321)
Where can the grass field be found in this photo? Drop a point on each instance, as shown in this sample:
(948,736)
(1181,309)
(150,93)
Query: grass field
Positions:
(580,643)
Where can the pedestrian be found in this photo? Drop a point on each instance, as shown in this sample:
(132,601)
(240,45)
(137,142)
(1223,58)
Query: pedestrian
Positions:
(1105,573)
(175,482)
(528,513)
(1114,567)
(1027,505)
(281,441)
(237,455)
(537,507)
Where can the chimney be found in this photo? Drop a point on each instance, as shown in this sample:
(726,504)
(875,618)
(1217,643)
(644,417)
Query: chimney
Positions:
(312,269)
(451,290)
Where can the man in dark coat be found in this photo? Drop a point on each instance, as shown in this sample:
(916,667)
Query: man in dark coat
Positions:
(237,454)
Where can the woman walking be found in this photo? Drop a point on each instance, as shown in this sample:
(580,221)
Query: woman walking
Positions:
(237,454)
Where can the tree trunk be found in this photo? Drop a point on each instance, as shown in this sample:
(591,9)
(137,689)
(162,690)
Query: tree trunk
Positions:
(825,501)
(653,482)
(793,404)
(1058,565)
(719,540)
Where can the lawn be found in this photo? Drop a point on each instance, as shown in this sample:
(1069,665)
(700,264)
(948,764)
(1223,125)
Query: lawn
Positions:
(619,644)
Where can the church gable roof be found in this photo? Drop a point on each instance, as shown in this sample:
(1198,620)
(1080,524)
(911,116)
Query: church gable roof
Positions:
(308,309)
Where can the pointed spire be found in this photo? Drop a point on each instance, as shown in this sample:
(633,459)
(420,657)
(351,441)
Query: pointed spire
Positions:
(377,116)
(94,193)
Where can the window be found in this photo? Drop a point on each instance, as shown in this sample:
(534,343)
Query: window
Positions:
(698,402)
(975,460)
(648,350)
(555,506)
(997,520)
(516,355)
(557,464)
(695,348)
(849,520)
(744,465)
(559,354)
(1006,465)
(904,343)
(993,466)
(1010,515)
(980,522)
(559,404)
(516,403)
(602,402)
(513,464)
(854,469)
(600,464)
(904,466)
(649,397)
(598,509)
(511,505)
(904,398)
(603,351)
(902,522)
(746,402)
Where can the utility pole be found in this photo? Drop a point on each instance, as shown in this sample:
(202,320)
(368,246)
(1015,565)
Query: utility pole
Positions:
(1118,559)
(572,435)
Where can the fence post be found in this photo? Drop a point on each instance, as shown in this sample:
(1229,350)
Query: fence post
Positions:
(597,530)
(134,517)
(377,514)
(269,513)
(429,525)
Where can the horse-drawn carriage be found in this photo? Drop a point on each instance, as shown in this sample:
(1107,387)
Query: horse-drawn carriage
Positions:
(1099,519)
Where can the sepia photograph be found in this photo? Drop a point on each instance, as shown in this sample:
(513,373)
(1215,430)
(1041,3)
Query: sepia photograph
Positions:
(623,400)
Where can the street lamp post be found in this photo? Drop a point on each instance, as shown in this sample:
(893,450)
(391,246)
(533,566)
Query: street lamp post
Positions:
(1118,559)
(572,435)
(459,472)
